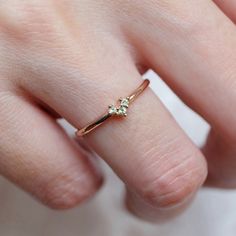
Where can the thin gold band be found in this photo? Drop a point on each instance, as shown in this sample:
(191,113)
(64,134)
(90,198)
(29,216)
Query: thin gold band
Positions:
(120,110)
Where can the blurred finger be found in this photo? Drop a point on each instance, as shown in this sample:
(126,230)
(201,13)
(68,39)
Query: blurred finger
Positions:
(221,158)
(199,68)
(229,7)
(37,155)
(193,48)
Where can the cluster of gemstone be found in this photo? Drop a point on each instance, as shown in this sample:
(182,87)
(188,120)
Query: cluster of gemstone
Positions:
(121,110)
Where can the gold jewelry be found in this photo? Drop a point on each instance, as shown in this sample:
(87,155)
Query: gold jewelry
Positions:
(120,110)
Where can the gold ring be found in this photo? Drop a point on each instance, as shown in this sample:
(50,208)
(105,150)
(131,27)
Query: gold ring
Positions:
(120,110)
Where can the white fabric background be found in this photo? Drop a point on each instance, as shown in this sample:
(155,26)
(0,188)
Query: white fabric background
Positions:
(212,213)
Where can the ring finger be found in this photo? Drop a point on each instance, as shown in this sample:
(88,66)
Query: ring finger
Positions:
(148,150)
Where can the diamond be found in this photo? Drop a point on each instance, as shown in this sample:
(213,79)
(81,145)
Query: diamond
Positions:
(122,111)
(112,110)
(124,102)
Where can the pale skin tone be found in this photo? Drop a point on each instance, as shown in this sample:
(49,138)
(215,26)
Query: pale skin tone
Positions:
(72,58)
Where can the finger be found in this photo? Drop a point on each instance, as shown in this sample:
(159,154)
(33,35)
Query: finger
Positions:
(148,150)
(229,7)
(38,156)
(193,47)
(221,157)
(142,209)
(192,61)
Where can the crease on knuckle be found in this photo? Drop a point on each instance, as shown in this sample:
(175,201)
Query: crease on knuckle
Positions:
(64,191)
(173,186)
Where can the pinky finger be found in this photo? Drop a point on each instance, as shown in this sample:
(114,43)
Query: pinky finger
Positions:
(221,157)
(37,155)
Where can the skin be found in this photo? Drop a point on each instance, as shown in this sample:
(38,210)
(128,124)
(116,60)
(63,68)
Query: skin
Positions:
(72,58)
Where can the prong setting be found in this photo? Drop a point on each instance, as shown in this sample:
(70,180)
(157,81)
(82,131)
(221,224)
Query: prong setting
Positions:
(114,110)
(120,110)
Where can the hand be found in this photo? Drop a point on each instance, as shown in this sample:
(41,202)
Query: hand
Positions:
(73,58)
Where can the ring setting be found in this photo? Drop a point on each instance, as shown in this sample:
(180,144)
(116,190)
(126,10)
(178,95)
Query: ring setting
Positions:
(119,110)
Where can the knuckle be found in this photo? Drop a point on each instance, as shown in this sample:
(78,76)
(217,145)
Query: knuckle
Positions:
(162,193)
(175,184)
(57,197)
(171,194)
(65,191)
